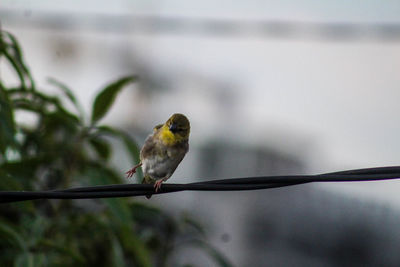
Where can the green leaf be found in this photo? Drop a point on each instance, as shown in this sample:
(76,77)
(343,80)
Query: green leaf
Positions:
(8,233)
(134,245)
(106,97)
(148,216)
(119,209)
(69,94)
(217,256)
(7,124)
(16,67)
(22,171)
(117,253)
(194,224)
(36,226)
(101,147)
(99,174)
(120,218)
(130,145)
(19,56)
(15,57)
(40,103)
(26,259)
(7,182)
(47,243)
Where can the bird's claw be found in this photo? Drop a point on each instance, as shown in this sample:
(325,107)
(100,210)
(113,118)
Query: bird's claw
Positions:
(132,171)
(157,184)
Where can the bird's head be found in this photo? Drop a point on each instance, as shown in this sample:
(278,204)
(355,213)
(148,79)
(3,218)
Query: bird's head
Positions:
(179,125)
(176,129)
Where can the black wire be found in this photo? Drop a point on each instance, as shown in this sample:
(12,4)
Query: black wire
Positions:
(235,184)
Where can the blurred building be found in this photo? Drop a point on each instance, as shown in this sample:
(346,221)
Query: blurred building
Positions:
(304,225)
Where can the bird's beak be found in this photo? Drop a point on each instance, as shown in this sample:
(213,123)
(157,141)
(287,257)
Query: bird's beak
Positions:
(173,127)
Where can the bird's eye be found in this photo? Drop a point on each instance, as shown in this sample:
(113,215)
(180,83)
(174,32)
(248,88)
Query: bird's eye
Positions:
(178,130)
(173,127)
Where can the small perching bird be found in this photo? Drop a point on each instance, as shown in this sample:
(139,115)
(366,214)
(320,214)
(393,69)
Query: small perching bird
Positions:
(163,150)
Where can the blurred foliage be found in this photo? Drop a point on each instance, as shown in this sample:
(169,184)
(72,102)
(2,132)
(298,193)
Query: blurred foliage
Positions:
(59,148)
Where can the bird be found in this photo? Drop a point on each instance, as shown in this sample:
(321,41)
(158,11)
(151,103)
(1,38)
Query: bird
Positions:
(163,150)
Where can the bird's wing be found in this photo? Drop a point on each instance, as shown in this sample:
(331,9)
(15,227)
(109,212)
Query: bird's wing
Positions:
(176,157)
(149,147)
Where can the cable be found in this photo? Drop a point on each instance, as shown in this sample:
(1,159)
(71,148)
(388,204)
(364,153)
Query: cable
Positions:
(235,184)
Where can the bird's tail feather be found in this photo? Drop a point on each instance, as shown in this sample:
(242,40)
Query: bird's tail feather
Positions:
(148,180)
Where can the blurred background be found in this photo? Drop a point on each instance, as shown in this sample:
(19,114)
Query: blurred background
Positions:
(270,88)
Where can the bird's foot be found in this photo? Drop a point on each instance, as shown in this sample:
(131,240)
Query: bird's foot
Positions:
(132,171)
(157,184)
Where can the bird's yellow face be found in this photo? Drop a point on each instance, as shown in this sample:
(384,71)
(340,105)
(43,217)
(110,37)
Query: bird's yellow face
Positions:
(175,130)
